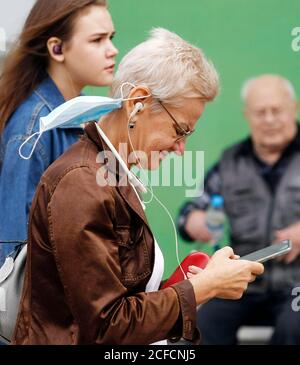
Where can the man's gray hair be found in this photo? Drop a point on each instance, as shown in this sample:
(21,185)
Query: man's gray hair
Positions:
(248,83)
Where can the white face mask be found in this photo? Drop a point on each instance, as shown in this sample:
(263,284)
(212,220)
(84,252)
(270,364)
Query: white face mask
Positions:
(75,112)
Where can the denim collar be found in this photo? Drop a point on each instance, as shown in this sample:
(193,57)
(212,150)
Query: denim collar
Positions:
(49,93)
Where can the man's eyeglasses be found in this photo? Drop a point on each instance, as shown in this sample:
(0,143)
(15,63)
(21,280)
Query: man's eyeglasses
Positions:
(180,131)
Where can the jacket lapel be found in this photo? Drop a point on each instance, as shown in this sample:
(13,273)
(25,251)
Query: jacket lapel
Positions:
(132,200)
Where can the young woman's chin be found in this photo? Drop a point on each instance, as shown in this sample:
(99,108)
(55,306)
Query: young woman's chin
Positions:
(105,79)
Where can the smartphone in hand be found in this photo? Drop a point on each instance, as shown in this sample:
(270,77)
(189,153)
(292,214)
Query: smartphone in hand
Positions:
(270,252)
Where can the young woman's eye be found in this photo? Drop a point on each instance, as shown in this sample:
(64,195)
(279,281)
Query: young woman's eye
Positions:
(97,40)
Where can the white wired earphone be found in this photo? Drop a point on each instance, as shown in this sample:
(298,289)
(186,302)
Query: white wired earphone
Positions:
(132,177)
(137,108)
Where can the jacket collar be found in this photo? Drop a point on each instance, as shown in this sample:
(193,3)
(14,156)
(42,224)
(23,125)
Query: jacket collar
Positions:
(125,189)
(49,93)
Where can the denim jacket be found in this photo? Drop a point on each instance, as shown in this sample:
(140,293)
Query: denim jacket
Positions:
(19,178)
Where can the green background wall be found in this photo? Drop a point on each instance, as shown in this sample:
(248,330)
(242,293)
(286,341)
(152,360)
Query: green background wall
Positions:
(243,38)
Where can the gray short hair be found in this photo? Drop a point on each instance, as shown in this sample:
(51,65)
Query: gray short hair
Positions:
(170,67)
(248,83)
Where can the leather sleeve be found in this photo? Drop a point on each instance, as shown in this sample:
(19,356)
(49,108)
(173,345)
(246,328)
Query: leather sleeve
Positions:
(85,246)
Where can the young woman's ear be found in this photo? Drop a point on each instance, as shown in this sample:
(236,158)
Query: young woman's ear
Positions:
(55,49)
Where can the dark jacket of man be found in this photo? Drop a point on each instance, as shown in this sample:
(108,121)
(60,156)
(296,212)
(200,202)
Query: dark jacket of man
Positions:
(259,199)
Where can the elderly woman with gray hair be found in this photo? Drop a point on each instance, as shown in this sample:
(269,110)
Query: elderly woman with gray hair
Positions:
(94,267)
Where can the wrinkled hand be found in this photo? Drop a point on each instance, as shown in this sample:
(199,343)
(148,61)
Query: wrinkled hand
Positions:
(292,233)
(224,277)
(232,276)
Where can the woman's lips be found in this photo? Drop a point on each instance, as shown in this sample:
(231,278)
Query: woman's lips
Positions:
(110,68)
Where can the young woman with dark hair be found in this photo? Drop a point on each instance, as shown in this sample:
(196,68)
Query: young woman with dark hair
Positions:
(64,46)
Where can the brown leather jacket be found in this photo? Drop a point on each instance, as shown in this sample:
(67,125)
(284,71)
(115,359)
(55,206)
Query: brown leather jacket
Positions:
(90,256)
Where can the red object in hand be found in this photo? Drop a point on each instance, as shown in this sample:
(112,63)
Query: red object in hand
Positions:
(199,259)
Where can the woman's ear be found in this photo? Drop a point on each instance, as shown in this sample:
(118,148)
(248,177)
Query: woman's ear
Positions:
(140,100)
(55,49)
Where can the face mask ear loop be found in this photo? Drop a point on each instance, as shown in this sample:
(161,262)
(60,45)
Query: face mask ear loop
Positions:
(136,98)
(33,148)
(122,87)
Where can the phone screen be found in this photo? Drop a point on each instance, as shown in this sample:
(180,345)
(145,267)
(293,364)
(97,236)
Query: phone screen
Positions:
(270,252)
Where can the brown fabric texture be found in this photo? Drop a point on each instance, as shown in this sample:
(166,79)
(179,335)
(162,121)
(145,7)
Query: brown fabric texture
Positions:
(90,256)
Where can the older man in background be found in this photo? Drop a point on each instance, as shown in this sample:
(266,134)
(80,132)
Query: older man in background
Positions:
(259,180)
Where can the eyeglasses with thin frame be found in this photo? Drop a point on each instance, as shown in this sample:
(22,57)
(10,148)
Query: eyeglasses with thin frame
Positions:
(180,131)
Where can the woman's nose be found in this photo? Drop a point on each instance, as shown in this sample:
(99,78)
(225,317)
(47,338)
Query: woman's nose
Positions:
(112,51)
